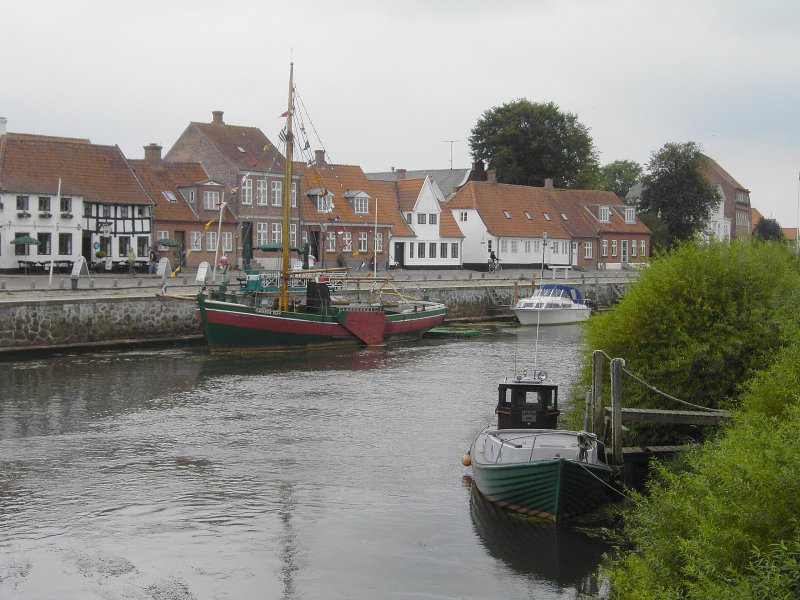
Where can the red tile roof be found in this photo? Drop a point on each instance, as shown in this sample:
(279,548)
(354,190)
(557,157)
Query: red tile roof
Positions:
(33,164)
(247,148)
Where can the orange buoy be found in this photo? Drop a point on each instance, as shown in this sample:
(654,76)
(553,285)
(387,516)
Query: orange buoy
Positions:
(466,460)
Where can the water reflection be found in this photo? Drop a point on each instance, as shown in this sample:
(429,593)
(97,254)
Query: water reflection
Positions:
(557,554)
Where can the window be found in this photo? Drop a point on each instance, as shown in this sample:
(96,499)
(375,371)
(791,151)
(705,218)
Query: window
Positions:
(507,214)
(642,245)
(66,205)
(210,200)
(191,197)
(277,233)
(564,247)
(411,250)
(546,216)
(633,247)
(293,234)
(528,216)
(276,192)
(22,203)
(503,246)
(211,241)
(65,244)
(462,216)
(21,249)
(227,241)
(630,215)
(262,233)
(613,247)
(443,248)
(514,246)
(527,246)
(169,196)
(363,241)
(587,249)
(330,241)
(408,218)
(565,217)
(379,242)
(143,211)
(537,245)
(162,235)
(106,208)
(261,192)
(361,205)
(421,218)
(142,245)
(347,241)
(43,249)
(421,250)
(44,203)
(325,203)
(87,210)
(454,250)
(432,250)
(195,240)
(433,219)
(603,214)
(247,191)
(488,246)
(123,211)
(124,245)
(605,247)
(294,195)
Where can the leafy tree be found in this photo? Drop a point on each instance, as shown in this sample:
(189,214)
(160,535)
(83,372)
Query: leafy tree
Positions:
(526,143)
(768,229)
(619,177)
(677,191)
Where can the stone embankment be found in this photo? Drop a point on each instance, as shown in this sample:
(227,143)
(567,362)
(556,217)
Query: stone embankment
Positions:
(121,310)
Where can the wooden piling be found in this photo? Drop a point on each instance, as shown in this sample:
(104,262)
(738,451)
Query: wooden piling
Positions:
(617,364)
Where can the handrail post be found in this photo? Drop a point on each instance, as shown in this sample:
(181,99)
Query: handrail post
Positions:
(597,392)
(617,364)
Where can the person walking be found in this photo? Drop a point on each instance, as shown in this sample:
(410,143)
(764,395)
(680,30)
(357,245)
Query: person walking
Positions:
(132,261)
(153,261)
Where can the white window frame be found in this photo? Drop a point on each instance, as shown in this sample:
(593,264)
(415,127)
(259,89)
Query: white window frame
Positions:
(422,218)
(211,241)
(605,248)
(262,233)
(633,247)
(433,219)
(361,205)
(379,242)
(514,246)
(527,246)
(443,250)
(330,241)
(325,203)
(642,248)
(294,195)
(276,233)
(363,241)
(347,241)
(293,234)
(276,192)
(261,192)
(603,214)
(587,249)
(227,241)
(462,216)
(613,247)
(454,250)
(162,235)
(196,240)
(247,191)
(630,215)
(210,200)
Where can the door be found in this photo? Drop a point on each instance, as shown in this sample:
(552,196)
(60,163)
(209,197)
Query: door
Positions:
(399,255)
(574,254)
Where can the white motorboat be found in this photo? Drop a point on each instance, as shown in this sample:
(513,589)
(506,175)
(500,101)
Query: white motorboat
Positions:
(552,304)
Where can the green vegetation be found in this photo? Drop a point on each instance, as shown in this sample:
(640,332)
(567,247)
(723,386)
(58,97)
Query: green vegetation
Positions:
(716,325)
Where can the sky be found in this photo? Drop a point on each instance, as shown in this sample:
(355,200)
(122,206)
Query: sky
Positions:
(401,84)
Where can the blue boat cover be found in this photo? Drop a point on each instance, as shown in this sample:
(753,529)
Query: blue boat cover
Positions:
(574,292)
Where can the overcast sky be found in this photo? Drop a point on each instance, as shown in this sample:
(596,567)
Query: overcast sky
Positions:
(388,84)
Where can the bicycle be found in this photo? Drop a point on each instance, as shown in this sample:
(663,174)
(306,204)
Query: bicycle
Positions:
(495,266)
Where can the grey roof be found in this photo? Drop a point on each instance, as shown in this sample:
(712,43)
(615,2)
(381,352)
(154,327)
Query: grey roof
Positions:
(448,180)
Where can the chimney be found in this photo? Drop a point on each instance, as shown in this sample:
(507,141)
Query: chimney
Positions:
(3,122)
(490,178)
(548,184)
(400,173)
(319,157)
(216,117)
(152,154)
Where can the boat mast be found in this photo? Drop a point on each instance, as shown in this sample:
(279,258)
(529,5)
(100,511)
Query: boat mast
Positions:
(283,298)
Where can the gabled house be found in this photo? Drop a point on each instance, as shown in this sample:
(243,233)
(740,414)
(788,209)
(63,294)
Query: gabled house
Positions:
(250,170)
(178,190)
(435,239)
(101,212)
(344,217)
(516,222)
(605,232)
(731,219)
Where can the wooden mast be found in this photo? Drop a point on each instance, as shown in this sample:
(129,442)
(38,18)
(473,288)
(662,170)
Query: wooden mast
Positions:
(283,298)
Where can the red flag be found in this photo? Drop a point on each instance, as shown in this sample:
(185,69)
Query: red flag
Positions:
(286,114)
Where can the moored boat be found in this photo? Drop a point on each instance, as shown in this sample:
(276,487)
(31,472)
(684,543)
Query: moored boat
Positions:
(552,304)
(284,309)
(528,465)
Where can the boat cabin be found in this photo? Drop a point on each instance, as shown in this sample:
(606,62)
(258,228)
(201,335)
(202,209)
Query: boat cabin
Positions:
(527,403)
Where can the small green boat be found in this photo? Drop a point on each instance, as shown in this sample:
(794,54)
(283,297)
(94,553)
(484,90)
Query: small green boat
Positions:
(528,465)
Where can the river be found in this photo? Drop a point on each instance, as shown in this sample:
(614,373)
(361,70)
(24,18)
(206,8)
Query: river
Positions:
(175,474)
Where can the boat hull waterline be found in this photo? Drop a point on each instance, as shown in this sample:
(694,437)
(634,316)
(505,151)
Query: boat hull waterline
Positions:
(235,326)
(552,316)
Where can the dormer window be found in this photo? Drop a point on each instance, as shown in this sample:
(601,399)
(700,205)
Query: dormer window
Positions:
(325,202)
(630,215)
(603,214)
(170,196)
(507,214)
(359,200)
(546,216)
(528,216)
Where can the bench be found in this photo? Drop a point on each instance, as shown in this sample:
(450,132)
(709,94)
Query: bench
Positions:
(556,268)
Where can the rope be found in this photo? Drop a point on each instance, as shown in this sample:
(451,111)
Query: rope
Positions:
(673,398)
(608,485)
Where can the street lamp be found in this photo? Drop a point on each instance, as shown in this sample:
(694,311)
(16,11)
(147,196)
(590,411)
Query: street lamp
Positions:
(544,246)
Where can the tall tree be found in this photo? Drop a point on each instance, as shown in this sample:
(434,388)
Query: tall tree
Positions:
(619,177)
(526,143)
(768,229)
(676,190)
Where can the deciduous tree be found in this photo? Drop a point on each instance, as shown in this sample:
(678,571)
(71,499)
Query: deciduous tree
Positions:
(619,177)
(526,143)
